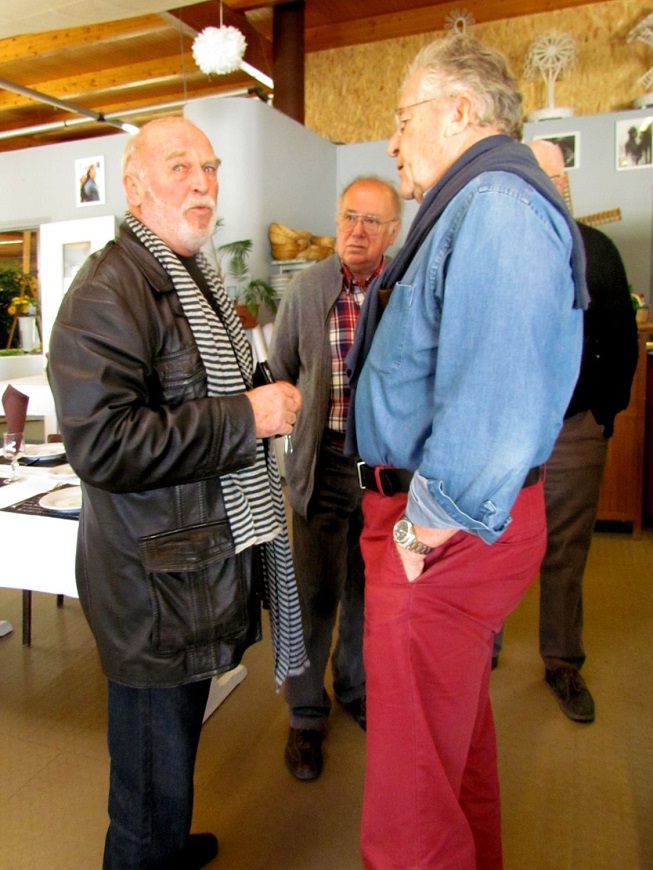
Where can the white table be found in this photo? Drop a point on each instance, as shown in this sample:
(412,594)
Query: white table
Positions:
(38,552)
(38,555)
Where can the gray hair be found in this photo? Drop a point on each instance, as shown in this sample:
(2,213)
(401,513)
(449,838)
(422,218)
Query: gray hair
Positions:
(133,145)
(397,202)
(460,64)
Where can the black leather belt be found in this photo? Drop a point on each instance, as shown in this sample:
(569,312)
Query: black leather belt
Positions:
(388,481)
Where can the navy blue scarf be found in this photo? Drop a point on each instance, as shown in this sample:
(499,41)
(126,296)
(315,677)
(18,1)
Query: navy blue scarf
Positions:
(495,153)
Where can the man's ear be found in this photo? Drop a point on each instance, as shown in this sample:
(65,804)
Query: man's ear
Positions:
(393,232)
(461,115)
(134,189)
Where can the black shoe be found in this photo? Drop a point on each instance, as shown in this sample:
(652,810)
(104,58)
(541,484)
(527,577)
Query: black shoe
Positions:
(573,695)
(356,708)
(200,850)
(303,754)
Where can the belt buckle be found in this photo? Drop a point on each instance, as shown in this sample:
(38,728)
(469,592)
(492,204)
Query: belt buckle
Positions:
(359,466)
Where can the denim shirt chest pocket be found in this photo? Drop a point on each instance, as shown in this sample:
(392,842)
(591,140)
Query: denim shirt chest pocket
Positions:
(396,321)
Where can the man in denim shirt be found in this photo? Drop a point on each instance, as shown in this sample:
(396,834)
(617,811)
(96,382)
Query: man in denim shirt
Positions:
(460,390)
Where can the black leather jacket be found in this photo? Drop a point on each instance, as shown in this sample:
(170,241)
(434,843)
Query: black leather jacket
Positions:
(166,598)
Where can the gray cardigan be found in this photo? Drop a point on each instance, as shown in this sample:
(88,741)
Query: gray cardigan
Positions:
(300,353)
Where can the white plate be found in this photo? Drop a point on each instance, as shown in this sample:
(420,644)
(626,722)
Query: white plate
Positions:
(63,472)
(68,500)
(44,451)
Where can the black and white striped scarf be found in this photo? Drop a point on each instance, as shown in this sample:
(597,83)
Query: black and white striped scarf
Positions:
(253,497)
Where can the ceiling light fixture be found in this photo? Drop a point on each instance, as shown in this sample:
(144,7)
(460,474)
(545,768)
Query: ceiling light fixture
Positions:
(219,50)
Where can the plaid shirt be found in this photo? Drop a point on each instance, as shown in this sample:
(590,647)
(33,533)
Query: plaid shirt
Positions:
(342,326)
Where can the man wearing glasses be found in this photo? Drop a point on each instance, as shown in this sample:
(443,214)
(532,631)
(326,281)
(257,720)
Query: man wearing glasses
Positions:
(460,387)
(313,333)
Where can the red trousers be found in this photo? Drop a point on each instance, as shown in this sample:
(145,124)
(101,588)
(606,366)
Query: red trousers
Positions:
(431,795)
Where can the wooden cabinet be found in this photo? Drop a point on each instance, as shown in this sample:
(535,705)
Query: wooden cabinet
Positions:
(622,491)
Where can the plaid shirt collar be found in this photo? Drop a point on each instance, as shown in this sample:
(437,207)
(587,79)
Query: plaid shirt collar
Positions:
(350,281)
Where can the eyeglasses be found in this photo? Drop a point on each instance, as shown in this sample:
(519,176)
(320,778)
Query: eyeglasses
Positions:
(401,122)
(371,223)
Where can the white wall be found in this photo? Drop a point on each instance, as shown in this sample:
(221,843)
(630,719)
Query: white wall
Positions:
(39,185)
(273,170)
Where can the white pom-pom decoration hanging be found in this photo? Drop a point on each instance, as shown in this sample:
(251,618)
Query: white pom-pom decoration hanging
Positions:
(219,50)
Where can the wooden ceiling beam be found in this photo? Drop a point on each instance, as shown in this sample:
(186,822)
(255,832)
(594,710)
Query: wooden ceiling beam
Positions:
(54,41)
(132,76)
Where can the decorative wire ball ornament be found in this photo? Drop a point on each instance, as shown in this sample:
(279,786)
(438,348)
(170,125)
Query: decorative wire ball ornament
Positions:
(643,32)
(219,50)
(550,55)
(459,21)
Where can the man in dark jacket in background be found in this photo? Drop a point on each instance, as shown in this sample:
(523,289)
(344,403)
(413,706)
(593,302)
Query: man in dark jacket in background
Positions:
(152,378)
(574,471)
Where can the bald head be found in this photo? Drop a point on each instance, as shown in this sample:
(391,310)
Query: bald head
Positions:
(170,178)
(552,160)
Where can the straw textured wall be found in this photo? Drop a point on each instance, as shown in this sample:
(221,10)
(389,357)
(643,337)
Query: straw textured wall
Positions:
(351,92)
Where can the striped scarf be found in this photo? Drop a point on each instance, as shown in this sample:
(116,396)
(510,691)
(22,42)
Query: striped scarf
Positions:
(253,497)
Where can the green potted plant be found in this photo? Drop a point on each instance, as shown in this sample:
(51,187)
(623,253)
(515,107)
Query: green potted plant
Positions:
(18,298)
(249,293)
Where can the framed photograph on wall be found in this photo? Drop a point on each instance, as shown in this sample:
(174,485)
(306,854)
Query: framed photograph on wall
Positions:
(89,181)
(570,145)
(633,143)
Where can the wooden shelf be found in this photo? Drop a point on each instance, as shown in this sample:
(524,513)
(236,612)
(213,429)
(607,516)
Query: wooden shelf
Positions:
(622,491)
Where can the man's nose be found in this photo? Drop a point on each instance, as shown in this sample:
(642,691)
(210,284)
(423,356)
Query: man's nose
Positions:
(200,179)
(393,144)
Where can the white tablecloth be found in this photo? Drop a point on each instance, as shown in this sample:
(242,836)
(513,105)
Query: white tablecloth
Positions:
(37,553)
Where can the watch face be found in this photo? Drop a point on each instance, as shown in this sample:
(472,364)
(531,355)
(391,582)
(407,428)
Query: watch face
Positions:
(403,531)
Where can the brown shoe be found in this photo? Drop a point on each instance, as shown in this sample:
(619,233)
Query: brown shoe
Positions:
(572,693)
(303,754)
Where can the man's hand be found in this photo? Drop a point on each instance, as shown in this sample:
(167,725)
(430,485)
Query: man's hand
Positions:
(275,408)
(414,562)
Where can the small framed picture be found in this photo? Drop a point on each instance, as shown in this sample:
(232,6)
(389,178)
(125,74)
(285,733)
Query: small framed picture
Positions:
(569,144)
(89,181)
(633,143)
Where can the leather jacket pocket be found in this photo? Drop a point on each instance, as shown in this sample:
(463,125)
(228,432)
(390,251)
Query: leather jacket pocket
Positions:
(182,376)
(201,591)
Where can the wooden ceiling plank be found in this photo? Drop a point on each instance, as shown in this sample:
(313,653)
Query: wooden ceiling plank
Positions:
(54,41)
(131,75)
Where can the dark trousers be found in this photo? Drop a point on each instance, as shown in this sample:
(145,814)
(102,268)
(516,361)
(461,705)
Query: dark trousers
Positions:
(572,486)
(153,736)
(330,573)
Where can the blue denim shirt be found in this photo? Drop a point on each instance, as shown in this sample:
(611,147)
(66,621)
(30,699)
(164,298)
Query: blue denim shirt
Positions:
(475,360)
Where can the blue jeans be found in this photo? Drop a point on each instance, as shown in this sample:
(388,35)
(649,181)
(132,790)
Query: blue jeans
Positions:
(153,736)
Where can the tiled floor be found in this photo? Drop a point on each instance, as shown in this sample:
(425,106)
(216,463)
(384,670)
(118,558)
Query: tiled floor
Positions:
(574,796)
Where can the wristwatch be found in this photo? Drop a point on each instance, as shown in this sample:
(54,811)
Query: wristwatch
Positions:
(404,536)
